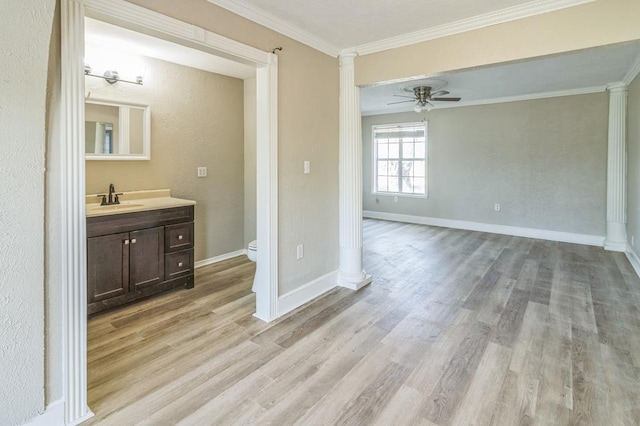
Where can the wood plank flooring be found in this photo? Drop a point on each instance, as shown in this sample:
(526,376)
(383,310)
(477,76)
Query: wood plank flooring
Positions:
(457,328)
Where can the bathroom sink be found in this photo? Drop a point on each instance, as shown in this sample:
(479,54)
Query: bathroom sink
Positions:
(115,207)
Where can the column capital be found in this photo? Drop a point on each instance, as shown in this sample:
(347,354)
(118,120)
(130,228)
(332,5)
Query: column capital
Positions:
(347,57)
(618,87)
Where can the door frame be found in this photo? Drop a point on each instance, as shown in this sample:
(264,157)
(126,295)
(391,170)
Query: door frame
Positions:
(71,168)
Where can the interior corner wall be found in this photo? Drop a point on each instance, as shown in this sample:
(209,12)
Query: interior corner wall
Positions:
(587,25)
(307,130)
(633,164)
(25,32)
(250,137)
(197,119)
(53,223)
(543,160)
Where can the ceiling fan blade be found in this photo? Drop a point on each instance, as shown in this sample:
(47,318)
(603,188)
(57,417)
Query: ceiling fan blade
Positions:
(403,96)
(400,102)
(440,93)
(446,99)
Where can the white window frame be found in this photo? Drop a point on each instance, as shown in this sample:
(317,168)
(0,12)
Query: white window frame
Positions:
(374,164)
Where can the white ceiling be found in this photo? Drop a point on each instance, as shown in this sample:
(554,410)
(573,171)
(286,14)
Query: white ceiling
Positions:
(336,25)
(100,35)
(583,71)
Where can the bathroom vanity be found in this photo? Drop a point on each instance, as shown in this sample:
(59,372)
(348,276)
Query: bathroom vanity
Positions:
(140,247)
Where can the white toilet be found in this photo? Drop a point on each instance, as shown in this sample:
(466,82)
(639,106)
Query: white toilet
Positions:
(252,254)
(252,251)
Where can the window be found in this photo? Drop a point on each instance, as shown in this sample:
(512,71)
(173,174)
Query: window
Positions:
(400,159)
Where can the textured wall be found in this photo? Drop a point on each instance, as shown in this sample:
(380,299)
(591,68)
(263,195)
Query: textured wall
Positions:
(544,161)
(589,25)
(249,160)
(53,225)
(633,164)
(307,130)
(25,31)
(196,120)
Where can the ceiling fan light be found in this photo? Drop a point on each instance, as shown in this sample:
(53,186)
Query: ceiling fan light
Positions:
(417,108)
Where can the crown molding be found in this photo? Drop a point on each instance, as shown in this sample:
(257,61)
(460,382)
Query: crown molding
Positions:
(274,23)
(633,71)
(536,7)
(527,97)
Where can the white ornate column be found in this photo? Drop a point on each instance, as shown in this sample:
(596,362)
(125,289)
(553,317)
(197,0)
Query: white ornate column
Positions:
(73,247)
(351,273)
(616,239)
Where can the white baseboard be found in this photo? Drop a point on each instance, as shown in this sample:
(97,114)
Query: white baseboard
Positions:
(565,237)
(216,259)
(298,297)
(633,259)
(54,416)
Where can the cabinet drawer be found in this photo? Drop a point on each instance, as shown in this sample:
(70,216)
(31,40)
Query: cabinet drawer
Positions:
(178,263)
(178,237)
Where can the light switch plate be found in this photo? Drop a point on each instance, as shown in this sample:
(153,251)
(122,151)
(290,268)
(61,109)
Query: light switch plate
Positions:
(307,167)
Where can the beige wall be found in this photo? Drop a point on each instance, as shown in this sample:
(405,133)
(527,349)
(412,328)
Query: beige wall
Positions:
(307,130)
(543,160)
(250,160)
(25,31)
(592,24)
(633,164)
(196,120)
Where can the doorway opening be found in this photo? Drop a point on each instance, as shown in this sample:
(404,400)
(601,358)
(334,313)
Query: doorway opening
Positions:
(70,170)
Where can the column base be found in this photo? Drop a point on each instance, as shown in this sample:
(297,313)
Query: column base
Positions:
(351,274)
(349,281)
(616,237)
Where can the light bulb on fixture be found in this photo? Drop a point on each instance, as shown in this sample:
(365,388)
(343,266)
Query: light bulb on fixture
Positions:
(426,107)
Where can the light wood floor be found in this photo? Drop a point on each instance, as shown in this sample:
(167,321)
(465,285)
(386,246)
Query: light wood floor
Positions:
(457,327)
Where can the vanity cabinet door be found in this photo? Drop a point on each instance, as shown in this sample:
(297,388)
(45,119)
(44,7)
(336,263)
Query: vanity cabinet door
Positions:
(146,258)
(107,266)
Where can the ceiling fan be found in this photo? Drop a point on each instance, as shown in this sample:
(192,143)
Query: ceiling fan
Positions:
(423,97)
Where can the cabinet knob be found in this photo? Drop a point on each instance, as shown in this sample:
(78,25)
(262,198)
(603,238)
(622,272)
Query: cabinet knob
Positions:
(179,237)
(179,264)
(126,242)
(133,241)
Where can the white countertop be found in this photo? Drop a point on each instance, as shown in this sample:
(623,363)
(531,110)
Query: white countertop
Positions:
(135,201)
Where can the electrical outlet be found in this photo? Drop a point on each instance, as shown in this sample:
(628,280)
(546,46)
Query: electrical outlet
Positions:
(496,207)
(395,199)
(300,251)
(307,167)
(202,172)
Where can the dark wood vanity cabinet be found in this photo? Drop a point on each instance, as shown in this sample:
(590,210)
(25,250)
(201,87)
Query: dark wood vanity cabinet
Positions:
(134,255)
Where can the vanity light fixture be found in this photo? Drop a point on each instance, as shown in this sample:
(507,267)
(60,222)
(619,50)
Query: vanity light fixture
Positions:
(111,76)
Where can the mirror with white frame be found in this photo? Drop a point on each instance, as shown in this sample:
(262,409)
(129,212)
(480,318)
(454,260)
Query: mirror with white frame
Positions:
(117,130)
